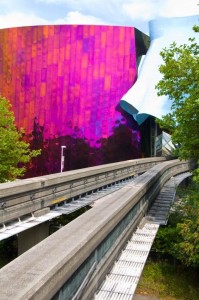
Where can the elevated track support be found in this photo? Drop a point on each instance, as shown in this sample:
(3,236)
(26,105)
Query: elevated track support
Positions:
(72,263)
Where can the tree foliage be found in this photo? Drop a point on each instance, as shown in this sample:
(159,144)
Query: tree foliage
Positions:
(188,228)
(14,152)
(180,238)
(180,82)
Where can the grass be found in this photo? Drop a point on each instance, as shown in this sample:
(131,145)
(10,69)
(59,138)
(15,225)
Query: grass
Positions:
(168,282)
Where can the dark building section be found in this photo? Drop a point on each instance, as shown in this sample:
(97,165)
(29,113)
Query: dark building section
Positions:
(149,130)
(142,44)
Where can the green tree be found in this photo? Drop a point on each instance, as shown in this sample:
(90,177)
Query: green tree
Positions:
(180,238)
(187,250)
(14,152)
(180,82)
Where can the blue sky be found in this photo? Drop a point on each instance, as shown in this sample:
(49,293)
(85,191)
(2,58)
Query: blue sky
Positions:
(134,13)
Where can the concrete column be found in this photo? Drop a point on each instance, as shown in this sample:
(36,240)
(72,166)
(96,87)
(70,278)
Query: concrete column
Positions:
(30,237)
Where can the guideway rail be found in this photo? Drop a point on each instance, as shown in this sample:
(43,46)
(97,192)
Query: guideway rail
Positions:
(29,196)
(72,263)
(121,281)
(63,208)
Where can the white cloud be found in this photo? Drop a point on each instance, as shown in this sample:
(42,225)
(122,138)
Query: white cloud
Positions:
(15,19)
(53,1)
(75,17)
(179,8)
(149,9)
(118,12)
(72,2)
(143,10)
(127,11)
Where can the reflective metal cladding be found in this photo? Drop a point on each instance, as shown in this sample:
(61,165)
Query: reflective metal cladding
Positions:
(65,83)
(141,100)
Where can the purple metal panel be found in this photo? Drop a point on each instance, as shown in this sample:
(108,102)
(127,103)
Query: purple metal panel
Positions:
(65,83)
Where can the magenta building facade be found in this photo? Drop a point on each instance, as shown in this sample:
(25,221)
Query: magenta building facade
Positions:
(65,83)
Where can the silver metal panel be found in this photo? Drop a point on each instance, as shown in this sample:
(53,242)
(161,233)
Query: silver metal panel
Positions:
(19,226)
(159,211)
(141,100)
(122,280)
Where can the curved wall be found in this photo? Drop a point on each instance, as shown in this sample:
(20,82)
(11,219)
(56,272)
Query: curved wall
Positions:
(65,83)
(142,101)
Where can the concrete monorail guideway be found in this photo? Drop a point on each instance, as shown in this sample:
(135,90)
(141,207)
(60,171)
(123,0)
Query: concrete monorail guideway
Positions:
(73,262)
(65,208)
(27,203)
(121,282)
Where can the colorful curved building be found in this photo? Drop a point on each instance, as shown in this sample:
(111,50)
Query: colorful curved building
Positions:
(65,83)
